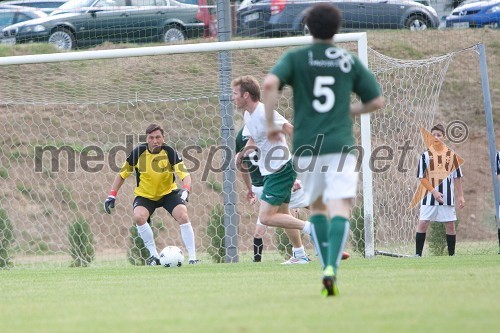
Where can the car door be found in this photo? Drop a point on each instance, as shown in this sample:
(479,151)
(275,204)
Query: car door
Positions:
(146,16)
(110,20)
(350,13)
(383,14)
(183,16)
(370,14)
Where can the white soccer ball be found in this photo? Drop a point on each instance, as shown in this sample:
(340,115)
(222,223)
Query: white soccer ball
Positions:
(171,256)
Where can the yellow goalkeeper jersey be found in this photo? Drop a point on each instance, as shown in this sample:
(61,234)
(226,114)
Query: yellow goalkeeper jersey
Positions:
(155,173)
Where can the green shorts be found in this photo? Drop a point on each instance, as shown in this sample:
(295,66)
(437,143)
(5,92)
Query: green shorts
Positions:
(278,186)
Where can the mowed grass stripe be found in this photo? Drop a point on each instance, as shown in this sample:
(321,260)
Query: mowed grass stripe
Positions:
(436,294)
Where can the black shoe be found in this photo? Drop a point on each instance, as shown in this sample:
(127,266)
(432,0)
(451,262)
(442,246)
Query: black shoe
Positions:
(153,261)
(194,262)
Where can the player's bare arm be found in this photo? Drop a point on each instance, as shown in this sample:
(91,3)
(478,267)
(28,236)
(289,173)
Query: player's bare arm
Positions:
(245,175)
(186,182)
(373,105)
(460,193)
(109,203)
(186,188)
(247,150)
(288,130)
(435,193)
(297,185)
(270,98)
(117,183)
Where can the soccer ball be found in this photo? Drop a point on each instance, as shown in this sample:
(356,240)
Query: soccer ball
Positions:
(171,256)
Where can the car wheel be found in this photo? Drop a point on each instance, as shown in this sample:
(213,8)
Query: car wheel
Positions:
(63,39)
(173,33)
(417,23)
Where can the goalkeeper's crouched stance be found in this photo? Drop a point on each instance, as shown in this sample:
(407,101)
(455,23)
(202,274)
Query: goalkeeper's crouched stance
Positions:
(154,164)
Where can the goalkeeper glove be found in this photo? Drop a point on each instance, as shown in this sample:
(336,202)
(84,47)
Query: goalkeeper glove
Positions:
(110,202)
(184,193)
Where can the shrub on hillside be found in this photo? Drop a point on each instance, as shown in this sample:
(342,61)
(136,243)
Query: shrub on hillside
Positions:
(437,238)
(81,243)
(137,252)
(216,233)
(6,239)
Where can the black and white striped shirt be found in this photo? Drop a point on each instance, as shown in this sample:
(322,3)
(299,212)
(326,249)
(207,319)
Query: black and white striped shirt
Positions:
(430,162)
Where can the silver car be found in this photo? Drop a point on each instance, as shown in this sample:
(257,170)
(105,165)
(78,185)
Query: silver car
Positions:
(286,17)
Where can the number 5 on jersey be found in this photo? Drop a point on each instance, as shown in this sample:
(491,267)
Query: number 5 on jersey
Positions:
(322,88)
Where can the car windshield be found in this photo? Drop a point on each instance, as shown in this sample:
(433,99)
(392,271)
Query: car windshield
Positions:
(466,2)
(73,4)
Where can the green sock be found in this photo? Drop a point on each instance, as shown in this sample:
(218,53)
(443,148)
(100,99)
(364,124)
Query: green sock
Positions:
(319,235)
(338,230)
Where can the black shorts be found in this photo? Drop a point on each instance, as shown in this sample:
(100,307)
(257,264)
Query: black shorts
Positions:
(169,202)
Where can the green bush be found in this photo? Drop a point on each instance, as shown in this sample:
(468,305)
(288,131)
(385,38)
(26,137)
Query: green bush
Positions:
(81,243)
(214,185)
(67,197)
(137,253)
(6,239)
(284,245)
(216,233)
(4,173)
(437,238)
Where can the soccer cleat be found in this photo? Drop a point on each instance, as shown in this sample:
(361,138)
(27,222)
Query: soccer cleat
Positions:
(194,261)
(345,255)
(153,261)
(297,261)
(330,287)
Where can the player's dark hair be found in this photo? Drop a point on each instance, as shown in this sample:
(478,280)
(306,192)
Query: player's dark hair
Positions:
(154,127)
(439,127)
(248,84)
(323,20)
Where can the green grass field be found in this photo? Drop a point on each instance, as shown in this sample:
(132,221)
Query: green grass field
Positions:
(433,294)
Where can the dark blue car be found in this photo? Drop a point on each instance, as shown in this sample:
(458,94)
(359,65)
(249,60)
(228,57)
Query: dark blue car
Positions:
(475,14)
(276,18)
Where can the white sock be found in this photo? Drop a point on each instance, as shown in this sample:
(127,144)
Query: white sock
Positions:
(307,227)
(298,252)
(187,235)
(146,234)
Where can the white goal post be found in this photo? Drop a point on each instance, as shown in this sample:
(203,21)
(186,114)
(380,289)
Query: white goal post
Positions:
(98,101)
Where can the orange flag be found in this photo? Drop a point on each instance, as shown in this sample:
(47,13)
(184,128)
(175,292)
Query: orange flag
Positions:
(437,175)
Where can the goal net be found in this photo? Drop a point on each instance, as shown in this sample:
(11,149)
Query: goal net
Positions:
(69,120)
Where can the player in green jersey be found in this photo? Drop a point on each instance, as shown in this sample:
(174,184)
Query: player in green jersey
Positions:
(323,76)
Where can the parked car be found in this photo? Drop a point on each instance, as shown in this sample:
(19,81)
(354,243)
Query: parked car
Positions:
(80,23)
(45,5)
(15,14)
(286,17)
(476,14)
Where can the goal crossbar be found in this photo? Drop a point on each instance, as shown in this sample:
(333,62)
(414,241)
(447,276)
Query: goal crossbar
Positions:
(173,49)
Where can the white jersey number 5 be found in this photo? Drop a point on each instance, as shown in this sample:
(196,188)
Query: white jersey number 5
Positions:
(322,89)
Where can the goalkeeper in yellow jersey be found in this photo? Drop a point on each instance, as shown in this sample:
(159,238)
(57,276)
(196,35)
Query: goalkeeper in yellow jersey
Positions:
(154,164)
